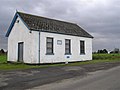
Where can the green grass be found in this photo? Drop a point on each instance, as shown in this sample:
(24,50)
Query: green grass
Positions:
(16,66)
(106,56)
(3,58)
(97,58)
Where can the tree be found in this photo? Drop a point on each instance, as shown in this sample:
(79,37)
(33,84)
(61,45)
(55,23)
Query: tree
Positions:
(105,51)
(2,51)
(99,51)
(102,51)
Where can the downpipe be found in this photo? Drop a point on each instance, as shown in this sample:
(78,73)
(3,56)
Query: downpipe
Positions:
(39,48)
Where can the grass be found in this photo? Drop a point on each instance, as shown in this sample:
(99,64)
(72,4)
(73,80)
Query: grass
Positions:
(3,58)
(97,58)
(106,56)
(100,58)
(16,66)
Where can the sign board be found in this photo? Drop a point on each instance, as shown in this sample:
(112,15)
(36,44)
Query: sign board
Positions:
(59,42)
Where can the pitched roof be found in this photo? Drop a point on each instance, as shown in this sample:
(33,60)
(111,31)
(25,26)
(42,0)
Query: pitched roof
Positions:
(51,25)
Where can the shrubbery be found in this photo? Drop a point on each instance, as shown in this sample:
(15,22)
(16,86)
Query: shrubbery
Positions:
(2,52)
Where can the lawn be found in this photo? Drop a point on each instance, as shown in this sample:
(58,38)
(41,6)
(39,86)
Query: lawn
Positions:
(15,66)
(3,58)
(97,58)
(106,56)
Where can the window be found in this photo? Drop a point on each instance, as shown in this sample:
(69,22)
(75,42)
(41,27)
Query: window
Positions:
(67,46)
(82,47)
(49,45)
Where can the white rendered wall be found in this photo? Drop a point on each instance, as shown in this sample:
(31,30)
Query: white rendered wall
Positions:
(20,33)
(59,50)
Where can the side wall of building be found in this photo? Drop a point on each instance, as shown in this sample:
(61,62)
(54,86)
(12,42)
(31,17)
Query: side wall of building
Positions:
(20,33)
(59,50)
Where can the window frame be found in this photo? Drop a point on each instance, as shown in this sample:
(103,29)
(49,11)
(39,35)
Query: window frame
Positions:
(68,47)
(82,47)
(52,46)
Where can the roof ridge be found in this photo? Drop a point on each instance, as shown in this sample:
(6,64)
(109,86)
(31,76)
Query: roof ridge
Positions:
(47,18)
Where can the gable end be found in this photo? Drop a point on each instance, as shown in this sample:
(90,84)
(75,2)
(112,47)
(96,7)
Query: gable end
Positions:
(13,22)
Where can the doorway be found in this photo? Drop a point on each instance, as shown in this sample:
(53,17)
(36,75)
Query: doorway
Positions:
(20,51)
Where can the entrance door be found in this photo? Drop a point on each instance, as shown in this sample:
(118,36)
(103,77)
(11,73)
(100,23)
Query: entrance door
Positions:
(20,52)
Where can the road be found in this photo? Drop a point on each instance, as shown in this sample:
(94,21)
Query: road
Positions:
(71,77)
(99,80)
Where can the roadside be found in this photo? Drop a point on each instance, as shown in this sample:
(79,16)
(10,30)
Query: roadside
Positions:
(29,78)
(97,58)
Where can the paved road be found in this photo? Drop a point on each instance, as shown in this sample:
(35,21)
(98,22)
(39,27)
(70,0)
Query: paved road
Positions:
(27,79)
(100,80)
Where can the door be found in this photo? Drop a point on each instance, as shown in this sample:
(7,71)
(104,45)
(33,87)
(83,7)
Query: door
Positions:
(20,52)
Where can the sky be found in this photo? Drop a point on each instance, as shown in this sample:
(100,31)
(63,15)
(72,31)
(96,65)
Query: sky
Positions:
(101,18)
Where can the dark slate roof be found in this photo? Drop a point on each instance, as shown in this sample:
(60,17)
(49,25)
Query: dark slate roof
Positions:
(51,25)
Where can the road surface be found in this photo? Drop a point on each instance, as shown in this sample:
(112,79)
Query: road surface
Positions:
(82,78)
(99,80)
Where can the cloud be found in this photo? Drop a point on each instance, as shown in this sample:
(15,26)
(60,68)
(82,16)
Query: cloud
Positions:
(99,17)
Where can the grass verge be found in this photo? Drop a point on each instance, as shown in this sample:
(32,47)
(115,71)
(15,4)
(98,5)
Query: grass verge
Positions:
(97,58)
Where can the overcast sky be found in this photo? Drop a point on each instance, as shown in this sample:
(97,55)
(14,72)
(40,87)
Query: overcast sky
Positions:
(101,18)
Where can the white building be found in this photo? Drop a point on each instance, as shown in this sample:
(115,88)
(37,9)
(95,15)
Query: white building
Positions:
(36,40)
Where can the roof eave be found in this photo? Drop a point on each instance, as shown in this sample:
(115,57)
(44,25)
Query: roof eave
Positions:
(11,25)
(41,30)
